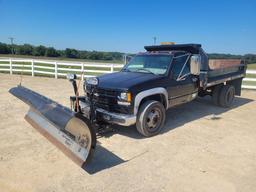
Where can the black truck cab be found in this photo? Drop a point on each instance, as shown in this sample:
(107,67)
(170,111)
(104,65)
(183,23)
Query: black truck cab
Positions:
(162,77)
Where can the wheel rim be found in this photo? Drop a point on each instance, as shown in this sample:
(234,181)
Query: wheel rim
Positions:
(230,96)
(153,119)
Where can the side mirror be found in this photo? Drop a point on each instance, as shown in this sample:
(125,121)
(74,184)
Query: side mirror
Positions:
(195,65)
(71,76)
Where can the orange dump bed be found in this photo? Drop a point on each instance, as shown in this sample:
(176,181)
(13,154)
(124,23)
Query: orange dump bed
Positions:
(215,64)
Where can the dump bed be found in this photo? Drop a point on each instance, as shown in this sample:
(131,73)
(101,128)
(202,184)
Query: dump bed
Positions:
(222,70)
(219,67)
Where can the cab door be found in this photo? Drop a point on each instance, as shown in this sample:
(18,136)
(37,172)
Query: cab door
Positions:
(183,85)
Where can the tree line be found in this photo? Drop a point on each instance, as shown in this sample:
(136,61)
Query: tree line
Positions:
(27,49)
(249,58)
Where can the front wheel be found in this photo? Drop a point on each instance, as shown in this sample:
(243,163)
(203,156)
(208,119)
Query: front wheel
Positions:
(151,118)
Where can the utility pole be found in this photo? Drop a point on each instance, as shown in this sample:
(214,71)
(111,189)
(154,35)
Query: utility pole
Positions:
(154,38)
(11,39)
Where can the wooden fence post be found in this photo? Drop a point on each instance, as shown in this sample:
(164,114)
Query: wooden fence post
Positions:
(32,67)
(56,70)
(82,68)
(10,66)
(112,68)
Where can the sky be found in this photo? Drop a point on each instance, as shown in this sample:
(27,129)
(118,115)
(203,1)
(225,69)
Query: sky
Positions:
(223,26)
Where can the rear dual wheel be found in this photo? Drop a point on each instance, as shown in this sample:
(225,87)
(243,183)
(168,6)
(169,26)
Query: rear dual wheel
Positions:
(216,94)
(227,96)
(223,95)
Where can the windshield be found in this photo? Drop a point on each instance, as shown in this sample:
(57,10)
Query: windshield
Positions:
(156,64)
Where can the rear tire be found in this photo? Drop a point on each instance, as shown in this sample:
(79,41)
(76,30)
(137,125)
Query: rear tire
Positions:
(150,118)
(216,94)
(227,95)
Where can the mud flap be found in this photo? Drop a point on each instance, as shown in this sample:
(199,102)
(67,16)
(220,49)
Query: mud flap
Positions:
(67,130)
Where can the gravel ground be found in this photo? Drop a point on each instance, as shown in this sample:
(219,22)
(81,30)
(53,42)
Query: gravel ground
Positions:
(202,148)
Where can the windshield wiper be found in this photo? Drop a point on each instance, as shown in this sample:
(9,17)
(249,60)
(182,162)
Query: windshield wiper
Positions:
(143,69)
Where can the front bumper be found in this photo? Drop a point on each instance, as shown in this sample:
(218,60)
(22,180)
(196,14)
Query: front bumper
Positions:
(116,118)
(110,117)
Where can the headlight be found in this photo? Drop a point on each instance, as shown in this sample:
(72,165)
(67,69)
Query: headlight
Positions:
(126,96)
(92,80)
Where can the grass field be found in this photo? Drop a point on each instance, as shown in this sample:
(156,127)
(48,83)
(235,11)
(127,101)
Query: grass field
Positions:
(252,66)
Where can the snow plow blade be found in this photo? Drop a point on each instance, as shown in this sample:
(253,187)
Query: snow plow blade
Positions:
(67,130)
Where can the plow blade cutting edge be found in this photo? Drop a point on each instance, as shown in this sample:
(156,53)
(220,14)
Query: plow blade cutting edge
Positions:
(67,130)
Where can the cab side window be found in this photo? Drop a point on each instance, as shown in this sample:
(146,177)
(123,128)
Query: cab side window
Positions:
(180,66)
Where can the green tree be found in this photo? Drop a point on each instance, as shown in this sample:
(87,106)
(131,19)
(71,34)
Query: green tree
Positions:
(250,58)
(71,53)
(39,51)
(107,56)
(94,55)
(51,52)
(5,49)
(61,53)
(83,54)
(25,49)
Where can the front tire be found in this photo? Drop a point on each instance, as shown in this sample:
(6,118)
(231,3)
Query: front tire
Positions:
(151,118)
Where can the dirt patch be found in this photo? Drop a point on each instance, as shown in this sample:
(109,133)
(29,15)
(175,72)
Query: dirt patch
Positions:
(202,148)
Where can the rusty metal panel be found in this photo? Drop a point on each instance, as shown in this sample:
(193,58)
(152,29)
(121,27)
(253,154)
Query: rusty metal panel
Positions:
(223,63)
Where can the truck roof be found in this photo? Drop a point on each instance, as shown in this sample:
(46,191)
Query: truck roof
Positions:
(191,48)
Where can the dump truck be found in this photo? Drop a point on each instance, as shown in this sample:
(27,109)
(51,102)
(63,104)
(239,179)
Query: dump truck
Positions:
(139,94)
